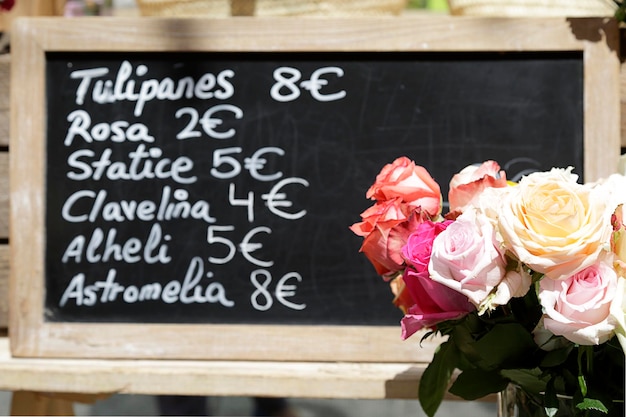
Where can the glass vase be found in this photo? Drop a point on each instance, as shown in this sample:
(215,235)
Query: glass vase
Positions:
(514,402)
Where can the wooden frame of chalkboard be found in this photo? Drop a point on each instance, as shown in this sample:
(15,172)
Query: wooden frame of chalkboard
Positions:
(49,54)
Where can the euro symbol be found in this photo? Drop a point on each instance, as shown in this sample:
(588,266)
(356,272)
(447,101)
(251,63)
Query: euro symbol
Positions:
(209,123)
(284,290)
(314,84)
(256,162)
(246,247)
(275,199)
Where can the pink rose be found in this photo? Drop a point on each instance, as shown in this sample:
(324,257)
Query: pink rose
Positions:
(432,303)
(385,228)
(465,257)
(467,185)
(409,182)
(578,307)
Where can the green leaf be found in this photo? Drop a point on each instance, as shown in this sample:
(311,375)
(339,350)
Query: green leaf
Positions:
(462,337)
(582,383)
(591,404)
(436,378)
(531,380)
(476,383)
(504,346)
(557,357)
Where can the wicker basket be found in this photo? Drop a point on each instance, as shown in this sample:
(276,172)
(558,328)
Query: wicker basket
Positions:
(224,8)
(532,8)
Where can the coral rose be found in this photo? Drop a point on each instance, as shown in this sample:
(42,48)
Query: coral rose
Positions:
(385,228)
(615,186)
(409,182)
(618,240)
(467,185)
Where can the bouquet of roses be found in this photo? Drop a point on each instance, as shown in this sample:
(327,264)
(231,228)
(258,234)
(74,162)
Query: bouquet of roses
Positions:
(526,281)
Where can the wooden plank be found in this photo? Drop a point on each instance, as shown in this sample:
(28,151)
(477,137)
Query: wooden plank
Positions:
(306,380)
(622,90)
(4,195)
(31,8)
(26,201)
(26,403)
(601,63)
(345,34)
(4,286)
(5,79)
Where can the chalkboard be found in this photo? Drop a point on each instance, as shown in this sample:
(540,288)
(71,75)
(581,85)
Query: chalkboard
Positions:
(233,205)
(215,188)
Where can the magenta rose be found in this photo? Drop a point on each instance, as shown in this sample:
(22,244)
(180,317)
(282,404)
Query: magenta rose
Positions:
(578,308)
(419,245)
(433,303)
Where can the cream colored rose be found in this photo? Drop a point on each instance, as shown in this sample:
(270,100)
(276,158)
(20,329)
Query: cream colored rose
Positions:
(555,225)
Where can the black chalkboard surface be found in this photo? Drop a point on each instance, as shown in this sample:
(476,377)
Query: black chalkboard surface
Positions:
(218,188)
(184,188)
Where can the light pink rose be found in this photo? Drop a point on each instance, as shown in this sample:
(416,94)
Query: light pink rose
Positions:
(578,307)
(555,225)
(467,185)
(409,182)
(385,228)
(466,258)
